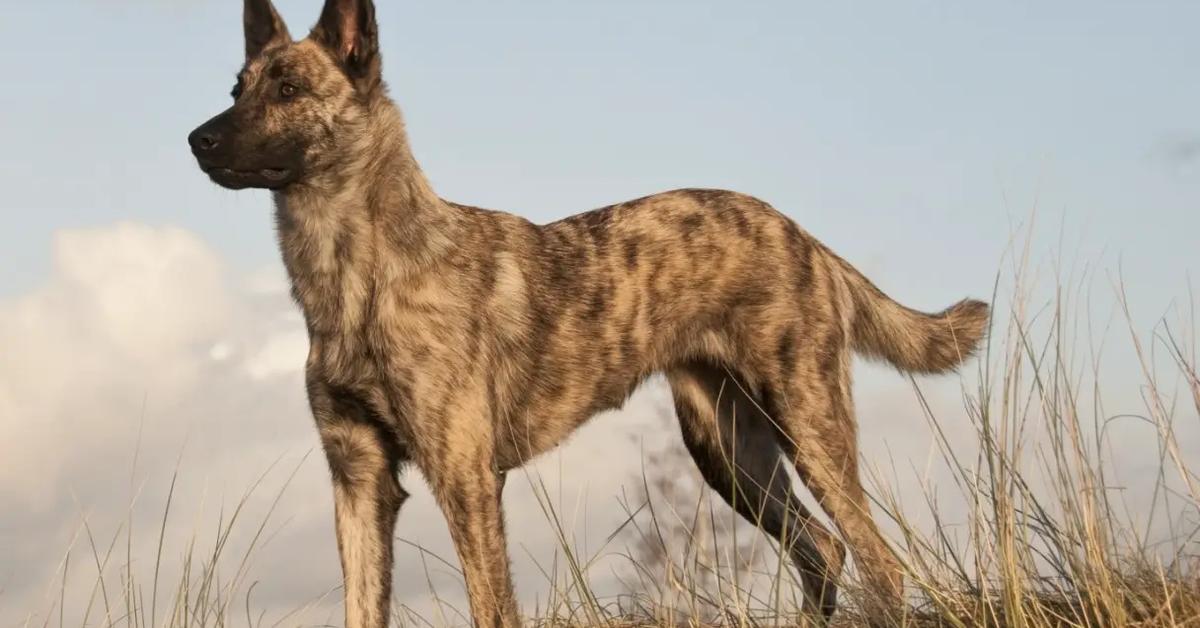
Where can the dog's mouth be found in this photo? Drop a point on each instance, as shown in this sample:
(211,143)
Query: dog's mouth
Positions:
(275,174)
(272,178)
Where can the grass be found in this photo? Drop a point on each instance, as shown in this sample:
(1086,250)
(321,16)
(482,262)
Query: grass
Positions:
(1047,534)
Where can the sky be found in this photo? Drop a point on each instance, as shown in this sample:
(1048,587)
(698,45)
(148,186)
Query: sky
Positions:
(144,309)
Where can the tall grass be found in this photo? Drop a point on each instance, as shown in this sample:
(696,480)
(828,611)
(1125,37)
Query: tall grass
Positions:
(1046,532)
(208,585)
(1052,537)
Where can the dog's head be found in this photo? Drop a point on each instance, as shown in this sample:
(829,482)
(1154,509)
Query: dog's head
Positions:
(294,102)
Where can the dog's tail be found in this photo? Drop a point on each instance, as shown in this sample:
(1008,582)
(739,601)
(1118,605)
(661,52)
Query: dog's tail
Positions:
(910,340)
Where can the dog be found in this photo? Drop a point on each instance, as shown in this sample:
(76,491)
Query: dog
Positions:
(467,341)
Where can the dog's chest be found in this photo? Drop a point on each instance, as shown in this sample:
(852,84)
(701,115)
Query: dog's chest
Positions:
(403,348)
(347,364)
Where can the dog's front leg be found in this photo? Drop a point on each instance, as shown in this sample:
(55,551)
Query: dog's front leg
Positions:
(364,461)
(468,487)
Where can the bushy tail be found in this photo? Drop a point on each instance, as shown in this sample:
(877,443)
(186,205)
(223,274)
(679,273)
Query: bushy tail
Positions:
(910,340)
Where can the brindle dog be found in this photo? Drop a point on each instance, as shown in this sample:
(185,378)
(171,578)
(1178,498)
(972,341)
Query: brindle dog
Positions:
(467,341)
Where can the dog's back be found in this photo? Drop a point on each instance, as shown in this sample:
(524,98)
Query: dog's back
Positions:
(465,341)
(580,311)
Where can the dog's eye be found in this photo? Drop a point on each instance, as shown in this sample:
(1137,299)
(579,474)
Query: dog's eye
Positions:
(287,90)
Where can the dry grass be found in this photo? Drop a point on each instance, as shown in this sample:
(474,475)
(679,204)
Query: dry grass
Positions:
(1048,537)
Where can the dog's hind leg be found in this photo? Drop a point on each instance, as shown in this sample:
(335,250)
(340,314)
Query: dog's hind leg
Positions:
(817,430)
(364,460)
(735,448)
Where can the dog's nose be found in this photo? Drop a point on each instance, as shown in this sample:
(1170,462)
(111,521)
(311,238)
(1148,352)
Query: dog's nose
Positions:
(203,140)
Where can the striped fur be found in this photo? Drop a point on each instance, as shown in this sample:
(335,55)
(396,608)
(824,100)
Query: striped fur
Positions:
(466,341)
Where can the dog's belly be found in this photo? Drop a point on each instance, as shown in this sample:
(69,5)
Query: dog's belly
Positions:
(560,401)
(537,434)
(575,381)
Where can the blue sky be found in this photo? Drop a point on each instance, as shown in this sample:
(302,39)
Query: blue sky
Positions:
(909,136)
(141,303)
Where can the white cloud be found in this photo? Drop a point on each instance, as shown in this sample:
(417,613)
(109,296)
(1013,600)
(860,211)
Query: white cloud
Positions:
(121,316)
(282,354)
(220,352)
(126,336)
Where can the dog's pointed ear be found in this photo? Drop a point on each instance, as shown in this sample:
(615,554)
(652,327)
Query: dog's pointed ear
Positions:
(348,29)
(264,27)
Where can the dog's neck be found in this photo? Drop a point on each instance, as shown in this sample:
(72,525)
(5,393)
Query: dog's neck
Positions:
(370,219)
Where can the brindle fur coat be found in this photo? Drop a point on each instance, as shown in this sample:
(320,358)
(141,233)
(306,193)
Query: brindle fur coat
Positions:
(467,341)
